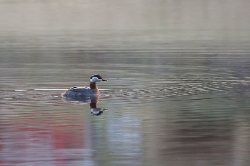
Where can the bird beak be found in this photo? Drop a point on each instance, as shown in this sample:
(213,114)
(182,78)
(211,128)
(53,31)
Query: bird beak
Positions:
(104,80)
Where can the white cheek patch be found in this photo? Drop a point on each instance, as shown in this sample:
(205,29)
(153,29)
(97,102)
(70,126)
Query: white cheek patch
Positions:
(94,79)
(95,110)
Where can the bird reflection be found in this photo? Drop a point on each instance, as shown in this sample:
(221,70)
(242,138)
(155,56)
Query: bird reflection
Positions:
(93,104)
(96,111)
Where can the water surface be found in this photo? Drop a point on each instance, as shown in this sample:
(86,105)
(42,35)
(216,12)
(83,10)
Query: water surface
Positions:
(163,108)
(178,90)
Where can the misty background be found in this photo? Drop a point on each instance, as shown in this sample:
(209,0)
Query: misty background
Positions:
(168,20)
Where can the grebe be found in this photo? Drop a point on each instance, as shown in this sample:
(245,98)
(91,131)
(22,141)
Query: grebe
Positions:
(85,92)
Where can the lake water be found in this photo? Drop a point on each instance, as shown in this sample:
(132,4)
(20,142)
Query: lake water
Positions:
(178,85)
(168,104)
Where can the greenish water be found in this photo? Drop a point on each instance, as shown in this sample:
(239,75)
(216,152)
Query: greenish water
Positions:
(178,90)
(165,106)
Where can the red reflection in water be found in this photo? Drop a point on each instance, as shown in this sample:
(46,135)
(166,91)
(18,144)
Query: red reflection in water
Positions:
(40,137)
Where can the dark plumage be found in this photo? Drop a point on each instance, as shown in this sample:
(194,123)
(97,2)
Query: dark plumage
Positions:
(84,92)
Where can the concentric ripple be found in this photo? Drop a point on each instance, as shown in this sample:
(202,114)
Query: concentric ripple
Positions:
(161,89)
(180,88)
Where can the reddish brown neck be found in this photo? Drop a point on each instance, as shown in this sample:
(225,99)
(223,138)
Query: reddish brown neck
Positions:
(92,105)
(92,85)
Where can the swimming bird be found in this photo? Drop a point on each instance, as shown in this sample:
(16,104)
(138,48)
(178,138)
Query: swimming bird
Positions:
(85,92)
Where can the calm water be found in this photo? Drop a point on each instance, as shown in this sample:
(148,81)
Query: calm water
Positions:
(165,106)
(178,90)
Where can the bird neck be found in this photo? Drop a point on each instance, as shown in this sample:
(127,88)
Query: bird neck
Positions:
(92,104)
(93,85)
